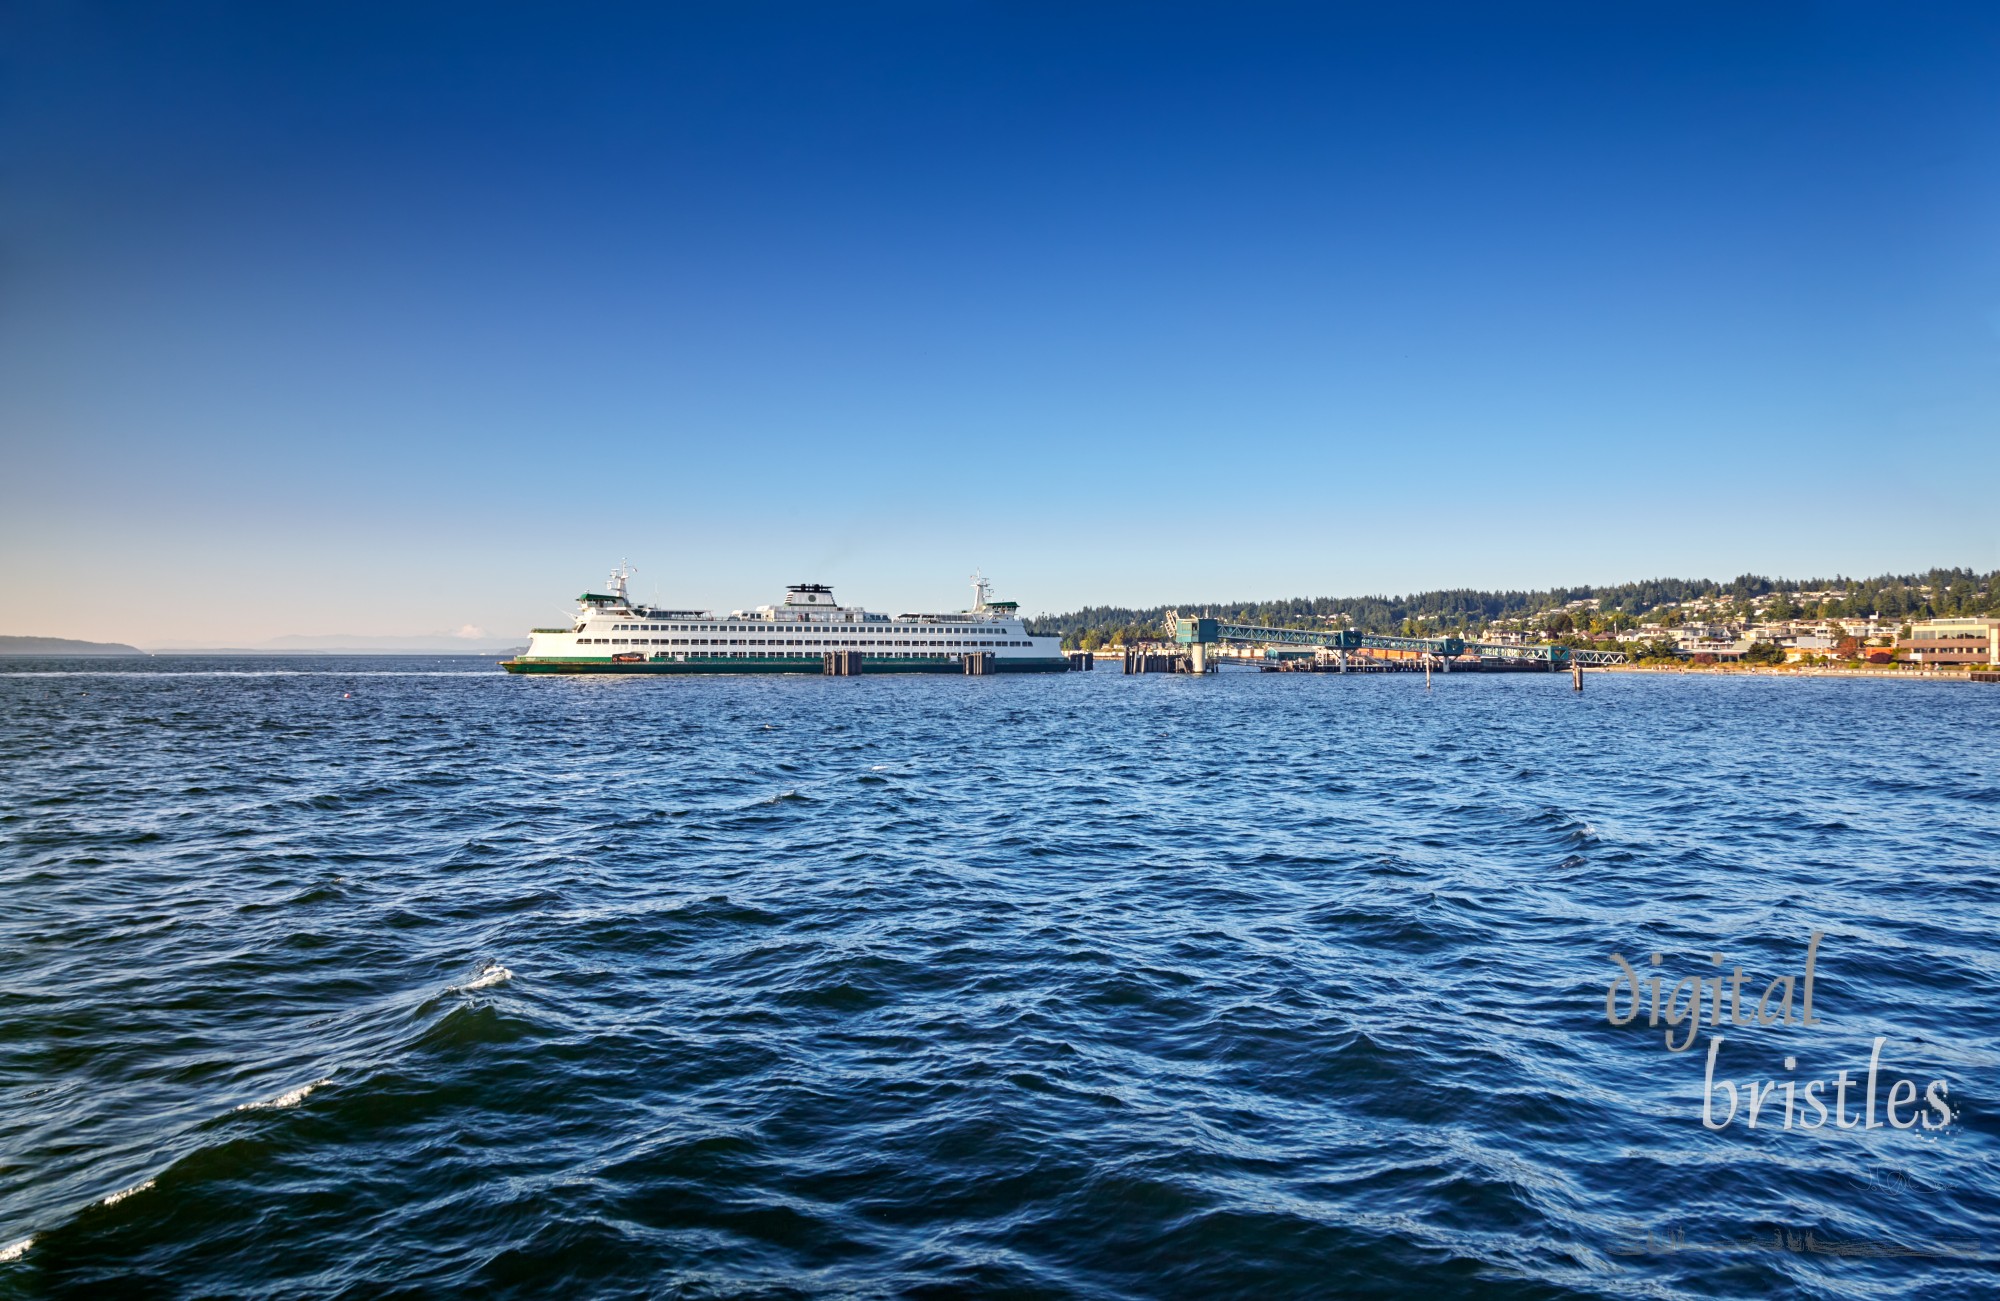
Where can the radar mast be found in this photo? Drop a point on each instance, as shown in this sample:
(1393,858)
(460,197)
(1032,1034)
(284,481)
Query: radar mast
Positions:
(618,580)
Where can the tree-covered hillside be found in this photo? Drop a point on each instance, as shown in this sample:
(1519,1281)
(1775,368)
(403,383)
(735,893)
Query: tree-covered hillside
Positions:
(1939,592)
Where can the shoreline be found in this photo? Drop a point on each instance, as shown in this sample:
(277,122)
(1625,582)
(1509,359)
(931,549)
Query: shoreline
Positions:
(1900,675)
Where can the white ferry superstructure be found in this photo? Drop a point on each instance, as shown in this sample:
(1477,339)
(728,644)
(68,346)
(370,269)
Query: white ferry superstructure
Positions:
(809,632)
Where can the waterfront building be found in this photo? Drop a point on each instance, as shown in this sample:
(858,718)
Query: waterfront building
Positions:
(1719,640)
(1954,641)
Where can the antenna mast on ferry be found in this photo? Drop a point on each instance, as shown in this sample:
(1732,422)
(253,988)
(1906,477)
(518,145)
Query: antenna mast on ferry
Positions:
(618,580)
(981,589)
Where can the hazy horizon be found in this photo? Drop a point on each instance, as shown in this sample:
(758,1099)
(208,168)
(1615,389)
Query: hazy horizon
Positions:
(471,638)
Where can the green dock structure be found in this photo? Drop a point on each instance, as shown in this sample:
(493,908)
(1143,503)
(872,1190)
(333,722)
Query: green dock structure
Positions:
(1203,635)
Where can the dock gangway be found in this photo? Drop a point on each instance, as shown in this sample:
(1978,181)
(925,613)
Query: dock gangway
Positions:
(1195,630)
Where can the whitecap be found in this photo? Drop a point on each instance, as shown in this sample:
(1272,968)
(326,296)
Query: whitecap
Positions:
(116,1198)
(492,974)
(288,1099)
(17,1250)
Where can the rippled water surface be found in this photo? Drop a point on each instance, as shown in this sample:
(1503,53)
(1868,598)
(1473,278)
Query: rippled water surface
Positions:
(403,977)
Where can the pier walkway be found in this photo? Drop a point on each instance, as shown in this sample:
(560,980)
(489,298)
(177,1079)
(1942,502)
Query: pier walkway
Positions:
(1204,636)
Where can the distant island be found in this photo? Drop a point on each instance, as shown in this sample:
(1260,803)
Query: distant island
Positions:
(63,646)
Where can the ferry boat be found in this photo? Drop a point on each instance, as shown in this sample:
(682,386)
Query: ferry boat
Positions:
(809,632)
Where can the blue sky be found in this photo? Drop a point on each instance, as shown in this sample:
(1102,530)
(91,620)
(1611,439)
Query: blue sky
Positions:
(414,317)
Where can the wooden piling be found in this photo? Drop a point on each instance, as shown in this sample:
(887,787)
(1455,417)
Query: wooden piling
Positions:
(1576,675)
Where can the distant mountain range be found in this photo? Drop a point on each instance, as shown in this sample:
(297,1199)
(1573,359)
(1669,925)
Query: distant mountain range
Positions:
(63,646)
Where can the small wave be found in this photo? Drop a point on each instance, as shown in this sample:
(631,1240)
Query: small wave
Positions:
(489,975)
(135,1189)
(17,1250)
(289,1099)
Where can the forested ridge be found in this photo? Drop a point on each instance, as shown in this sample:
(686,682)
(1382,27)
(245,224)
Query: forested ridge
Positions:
(1938,592)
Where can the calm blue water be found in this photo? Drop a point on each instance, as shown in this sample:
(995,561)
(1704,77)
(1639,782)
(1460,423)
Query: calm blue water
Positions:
(403,977)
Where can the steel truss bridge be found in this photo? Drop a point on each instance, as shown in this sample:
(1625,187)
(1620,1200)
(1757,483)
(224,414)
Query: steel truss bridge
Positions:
(1193,630)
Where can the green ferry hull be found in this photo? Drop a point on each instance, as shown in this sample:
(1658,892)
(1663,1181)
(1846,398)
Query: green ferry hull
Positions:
(792,664)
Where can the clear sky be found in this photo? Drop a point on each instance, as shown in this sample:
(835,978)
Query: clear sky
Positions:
(391,319)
